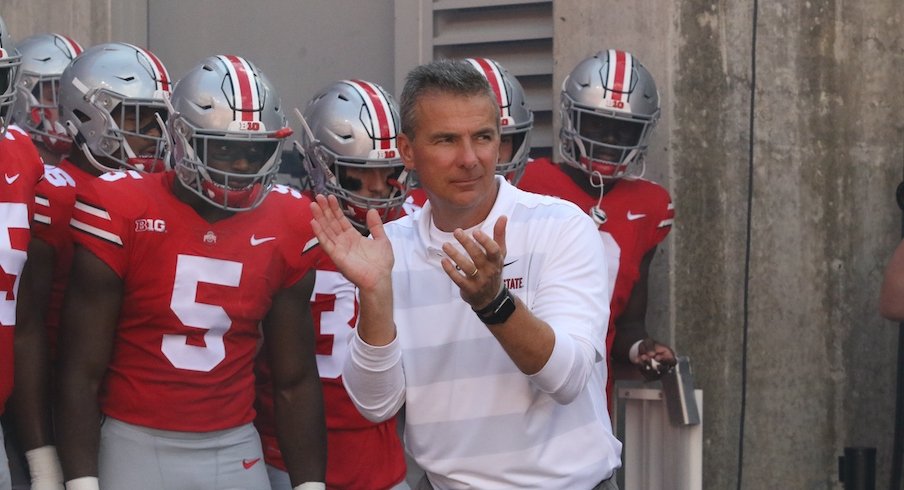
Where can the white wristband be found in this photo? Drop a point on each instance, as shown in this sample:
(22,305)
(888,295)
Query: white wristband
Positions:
(83,483)
(311,485)
(44,465)
(634,352)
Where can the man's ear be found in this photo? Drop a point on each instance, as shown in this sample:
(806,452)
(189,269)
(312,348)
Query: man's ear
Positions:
(406,151)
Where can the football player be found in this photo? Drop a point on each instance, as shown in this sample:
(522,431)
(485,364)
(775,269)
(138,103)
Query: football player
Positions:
(610,106)
(515,118)
(351,153)
(110,97)
(22,170)
(177,274)
(44,57)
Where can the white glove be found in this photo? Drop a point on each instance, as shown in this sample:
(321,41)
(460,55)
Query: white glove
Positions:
(83,483)
(44,465)
(311,485)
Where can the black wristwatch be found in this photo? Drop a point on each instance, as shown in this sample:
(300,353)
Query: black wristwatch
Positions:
(499,310)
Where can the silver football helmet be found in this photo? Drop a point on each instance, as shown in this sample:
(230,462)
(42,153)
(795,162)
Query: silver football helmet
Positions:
(112,102)
(44,57)
(352,126)
(9,75)
(609,108)
(225,115)
(515,117)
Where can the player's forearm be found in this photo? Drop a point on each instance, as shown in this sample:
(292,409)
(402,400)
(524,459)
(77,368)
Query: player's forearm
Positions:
(30,400)
(627,333)
(301,427)
(33,382)
(78,425)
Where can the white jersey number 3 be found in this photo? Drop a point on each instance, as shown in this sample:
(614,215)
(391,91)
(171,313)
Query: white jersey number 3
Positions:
(190,271)
(334,321)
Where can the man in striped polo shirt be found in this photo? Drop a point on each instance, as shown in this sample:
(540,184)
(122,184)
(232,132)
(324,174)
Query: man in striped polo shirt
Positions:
(483,313)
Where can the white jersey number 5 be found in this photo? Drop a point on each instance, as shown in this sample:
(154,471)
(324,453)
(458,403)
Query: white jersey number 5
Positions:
(190,271)
(12,215)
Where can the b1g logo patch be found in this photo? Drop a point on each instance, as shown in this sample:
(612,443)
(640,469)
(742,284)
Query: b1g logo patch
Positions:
(149,224)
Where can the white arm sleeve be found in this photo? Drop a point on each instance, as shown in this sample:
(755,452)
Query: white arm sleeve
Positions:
(567,370)
(574,301)
(374,378)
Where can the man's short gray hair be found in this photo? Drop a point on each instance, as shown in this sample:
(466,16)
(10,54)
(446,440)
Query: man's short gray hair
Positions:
(447,76)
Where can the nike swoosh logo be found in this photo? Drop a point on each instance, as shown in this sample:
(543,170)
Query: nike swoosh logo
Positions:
(510,263)
(257,241)
(248,463)
(10,180)
(632,216)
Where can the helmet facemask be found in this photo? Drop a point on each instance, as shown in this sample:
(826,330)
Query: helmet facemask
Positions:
(44,58)
(332,174)
(10,62)
(42,106)
(134,137)
(205,164)
(605,142)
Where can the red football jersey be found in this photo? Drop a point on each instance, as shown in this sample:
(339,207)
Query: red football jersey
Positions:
(194,295)
(22,170)
(415,200)
(54,200)
(360,454)
(639,215)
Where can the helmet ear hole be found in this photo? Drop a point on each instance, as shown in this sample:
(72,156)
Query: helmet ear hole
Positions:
(81,116)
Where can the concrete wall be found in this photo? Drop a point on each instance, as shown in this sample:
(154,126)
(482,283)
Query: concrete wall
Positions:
(301,46)
(87,21)
(787,118)
(825,136)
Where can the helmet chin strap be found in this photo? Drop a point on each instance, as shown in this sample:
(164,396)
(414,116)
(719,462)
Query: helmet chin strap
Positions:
(79,140)
(596,212)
